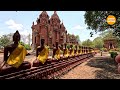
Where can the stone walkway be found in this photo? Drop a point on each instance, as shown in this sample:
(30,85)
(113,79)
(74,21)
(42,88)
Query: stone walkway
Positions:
(99,67)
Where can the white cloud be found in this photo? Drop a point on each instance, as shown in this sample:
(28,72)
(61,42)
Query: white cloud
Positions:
(13,25)
(22,30)
(78,27)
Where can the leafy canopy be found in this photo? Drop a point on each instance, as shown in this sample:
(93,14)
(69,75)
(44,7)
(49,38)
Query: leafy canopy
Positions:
(96,20)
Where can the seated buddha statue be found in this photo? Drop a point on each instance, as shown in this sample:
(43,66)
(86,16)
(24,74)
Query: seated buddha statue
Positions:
(56,52)
(65,51)
(14,56)
(53,49)
(75,50)
(42,53)
(71,51)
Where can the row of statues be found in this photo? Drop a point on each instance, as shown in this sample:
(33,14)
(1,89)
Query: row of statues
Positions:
(42,52)
(15,53)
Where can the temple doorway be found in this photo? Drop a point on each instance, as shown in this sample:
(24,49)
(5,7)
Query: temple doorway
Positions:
(110,43)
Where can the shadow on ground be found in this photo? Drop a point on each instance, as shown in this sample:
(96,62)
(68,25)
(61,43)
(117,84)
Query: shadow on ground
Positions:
(108,68)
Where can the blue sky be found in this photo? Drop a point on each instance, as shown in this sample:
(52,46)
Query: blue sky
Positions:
(10,21)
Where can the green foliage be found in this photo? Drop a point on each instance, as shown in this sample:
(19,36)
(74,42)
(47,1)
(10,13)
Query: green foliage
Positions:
(104,49)
(27,46)
(98,42)
(68,46)
(113,54)
(73,46)
(109,35)
(22,43)
(4,41)
(96,20)
(78,39)
(88,43)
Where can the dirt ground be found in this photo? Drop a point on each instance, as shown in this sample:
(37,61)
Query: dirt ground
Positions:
(99,67)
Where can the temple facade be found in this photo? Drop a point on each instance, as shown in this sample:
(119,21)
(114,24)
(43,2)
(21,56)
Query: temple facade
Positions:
(110,43)
(50,29)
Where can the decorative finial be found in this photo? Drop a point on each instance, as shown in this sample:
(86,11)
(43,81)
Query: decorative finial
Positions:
(33,23)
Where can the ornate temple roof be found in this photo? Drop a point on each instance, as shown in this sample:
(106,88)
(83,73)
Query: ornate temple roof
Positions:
(44,13)
(55,15)
(62,25)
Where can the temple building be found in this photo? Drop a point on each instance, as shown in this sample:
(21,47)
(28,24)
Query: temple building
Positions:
(71,39)
(110,43)
(50,29)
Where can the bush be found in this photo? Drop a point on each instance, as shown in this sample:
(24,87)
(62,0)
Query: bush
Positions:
(113,54)
(27,47)
(104,49)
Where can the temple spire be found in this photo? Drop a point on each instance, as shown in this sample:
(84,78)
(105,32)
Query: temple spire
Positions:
(33,22)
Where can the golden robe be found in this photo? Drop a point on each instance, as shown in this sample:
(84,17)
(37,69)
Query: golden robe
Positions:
(66,54)
(57,54)
(17,57)
(43,55)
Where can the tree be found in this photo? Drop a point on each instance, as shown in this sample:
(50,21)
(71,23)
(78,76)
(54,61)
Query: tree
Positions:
(96,20)
(23,38)
(78,39)
(29,39)
(98,42)
(108,35)
(4,41)
(88,43)
(27,46)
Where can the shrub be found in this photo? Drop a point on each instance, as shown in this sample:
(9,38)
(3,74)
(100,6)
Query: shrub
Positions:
(104,49)
(27,47)
(113,54)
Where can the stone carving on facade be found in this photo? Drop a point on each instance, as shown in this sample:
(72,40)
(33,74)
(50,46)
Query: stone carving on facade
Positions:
(50,34)
(53,30)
